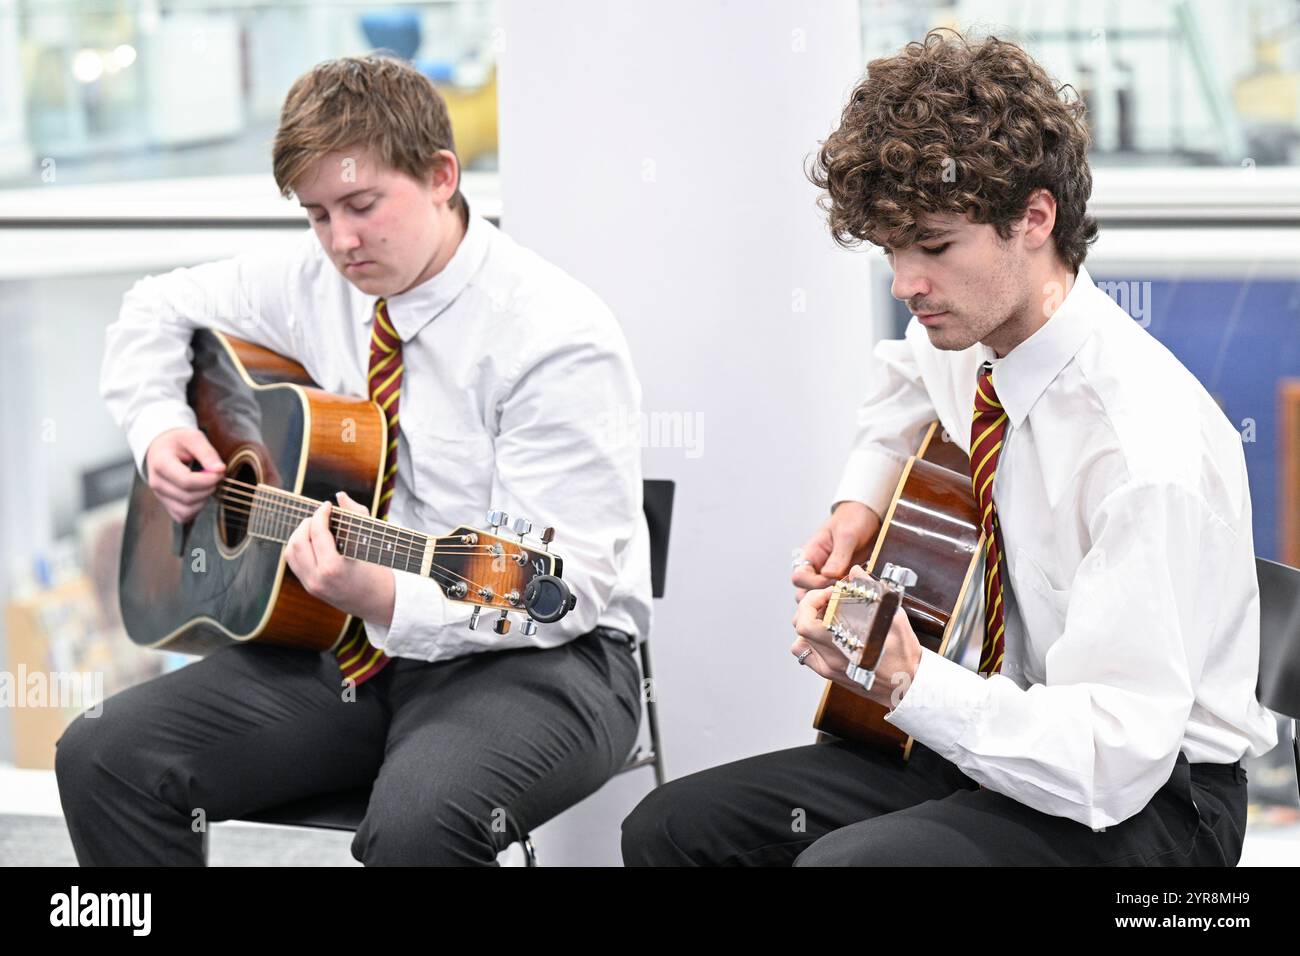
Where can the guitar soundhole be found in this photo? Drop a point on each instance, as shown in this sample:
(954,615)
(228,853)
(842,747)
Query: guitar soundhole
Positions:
(232,516)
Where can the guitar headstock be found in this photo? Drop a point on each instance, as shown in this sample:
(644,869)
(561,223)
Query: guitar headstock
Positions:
(858,616)
(502,572)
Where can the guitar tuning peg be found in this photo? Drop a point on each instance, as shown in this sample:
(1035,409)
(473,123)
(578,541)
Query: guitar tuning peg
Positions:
(502,624)
(473,618)
(521,527)
(547,537)
(898,575)
(497,518)
(529,627)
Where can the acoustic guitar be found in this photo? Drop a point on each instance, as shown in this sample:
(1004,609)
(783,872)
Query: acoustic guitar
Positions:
(930,551)
(222,577)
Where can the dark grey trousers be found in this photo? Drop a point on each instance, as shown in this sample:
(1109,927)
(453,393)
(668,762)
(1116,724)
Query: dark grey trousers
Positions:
(844,804)
(464,755)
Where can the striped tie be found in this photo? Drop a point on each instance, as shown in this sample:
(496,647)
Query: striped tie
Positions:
(987,431)
(358,659)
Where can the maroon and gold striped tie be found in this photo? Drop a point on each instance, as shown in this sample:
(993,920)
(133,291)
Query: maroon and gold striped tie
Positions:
(987,432)
(359,660)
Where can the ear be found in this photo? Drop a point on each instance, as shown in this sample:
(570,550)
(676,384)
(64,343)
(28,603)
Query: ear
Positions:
(444,178)
(1040,219)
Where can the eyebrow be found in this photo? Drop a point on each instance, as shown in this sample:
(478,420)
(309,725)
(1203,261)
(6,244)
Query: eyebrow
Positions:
(925,235)
(355,192)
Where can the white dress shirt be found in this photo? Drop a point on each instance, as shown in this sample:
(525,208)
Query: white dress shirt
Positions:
(1132,616)
(514,376)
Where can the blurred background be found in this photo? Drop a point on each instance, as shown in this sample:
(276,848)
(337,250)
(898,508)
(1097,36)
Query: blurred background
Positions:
(135,137)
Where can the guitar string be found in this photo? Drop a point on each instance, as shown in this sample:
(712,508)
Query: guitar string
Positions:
(294,506)
(300,510)
(245,509)
(443,569)
(286,505)
(401,549)
(288,520)
(288,501)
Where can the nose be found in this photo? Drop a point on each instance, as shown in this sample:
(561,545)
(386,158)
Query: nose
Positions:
(343,239)
(909,279)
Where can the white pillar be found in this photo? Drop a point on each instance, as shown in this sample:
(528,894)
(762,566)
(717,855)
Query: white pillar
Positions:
(655,150)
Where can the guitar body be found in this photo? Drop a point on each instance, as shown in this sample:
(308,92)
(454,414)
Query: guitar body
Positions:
(932,527)
(211,583)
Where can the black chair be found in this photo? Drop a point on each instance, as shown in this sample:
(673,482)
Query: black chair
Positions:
(344,810)
(1279,645)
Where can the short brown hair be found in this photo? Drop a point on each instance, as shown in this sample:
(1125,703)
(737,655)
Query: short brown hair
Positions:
(953,126)
(375,102)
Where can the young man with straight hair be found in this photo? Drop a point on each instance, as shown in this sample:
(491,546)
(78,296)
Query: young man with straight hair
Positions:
(495,371)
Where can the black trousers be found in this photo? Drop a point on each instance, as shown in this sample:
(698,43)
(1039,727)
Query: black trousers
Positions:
(465,755)
(842,804)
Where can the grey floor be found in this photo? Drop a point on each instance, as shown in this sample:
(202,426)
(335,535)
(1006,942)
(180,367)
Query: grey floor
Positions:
(28,840)
(32,831)
(43,841)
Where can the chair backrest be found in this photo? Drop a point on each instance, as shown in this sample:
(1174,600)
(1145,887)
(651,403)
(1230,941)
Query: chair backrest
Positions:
(657,496)
(1279,637)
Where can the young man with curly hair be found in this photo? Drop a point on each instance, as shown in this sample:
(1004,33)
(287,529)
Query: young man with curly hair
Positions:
(495,370)
(1116,687)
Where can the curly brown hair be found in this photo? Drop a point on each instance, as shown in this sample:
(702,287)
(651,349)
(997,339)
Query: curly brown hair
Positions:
(377,102)
(953,126)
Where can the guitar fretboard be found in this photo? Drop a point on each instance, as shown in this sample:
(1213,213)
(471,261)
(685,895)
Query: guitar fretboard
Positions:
(276,514)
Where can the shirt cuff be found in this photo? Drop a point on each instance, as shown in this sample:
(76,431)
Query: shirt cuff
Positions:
(152,422)
(419,609)
(870,477)
(941,702)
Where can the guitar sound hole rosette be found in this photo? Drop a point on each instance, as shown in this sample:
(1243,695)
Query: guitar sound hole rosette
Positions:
(233,522)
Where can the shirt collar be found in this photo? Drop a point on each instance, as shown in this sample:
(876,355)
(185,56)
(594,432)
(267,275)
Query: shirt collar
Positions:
(1024,373)
(415,308)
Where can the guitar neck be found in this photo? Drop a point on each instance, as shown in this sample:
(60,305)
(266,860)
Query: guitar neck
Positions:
(274,514)
(476,567)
